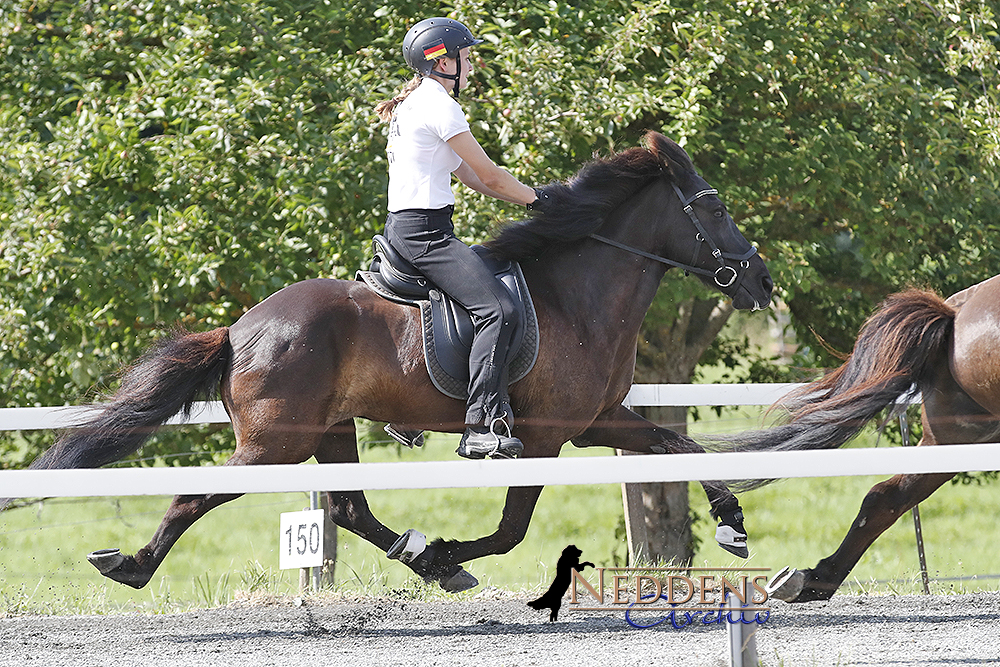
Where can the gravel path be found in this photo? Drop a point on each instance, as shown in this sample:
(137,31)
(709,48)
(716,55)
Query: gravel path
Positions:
(848,630)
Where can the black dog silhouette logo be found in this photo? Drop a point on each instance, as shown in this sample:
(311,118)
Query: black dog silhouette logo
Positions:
(552,600)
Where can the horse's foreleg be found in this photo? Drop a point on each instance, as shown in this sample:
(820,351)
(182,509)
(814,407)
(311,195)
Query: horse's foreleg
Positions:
(623,429)
(884,504)
(510,532)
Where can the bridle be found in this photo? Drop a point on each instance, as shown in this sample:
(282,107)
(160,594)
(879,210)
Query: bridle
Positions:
(724,276)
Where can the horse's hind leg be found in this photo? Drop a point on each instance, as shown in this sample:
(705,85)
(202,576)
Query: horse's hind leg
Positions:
(137,570)
(949,416)
(350,510)
(517,510)
(884,504)
(264,442)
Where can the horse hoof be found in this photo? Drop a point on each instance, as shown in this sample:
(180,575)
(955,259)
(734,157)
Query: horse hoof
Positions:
(106,560)
(786,585)
(458,582)
(736,550)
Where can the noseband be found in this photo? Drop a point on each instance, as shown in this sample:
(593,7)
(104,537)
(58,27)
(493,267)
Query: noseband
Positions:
(724,276)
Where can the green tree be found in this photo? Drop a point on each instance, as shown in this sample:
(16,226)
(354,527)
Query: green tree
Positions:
(172,162)
(864,139)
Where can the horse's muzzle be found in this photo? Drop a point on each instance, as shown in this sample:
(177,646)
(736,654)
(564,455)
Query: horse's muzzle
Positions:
(753,291)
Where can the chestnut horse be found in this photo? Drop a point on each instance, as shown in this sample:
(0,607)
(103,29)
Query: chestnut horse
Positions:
(296,369)
(948,349)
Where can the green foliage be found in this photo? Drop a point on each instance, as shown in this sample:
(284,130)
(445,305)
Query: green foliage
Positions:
(175,161)
(863,140)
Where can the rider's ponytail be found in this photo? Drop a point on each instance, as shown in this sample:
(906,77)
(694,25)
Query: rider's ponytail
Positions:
(384,110)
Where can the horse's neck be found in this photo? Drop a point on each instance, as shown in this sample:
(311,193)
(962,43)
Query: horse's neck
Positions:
(598,285)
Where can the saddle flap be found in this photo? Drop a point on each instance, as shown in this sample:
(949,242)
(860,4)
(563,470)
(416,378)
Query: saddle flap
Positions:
(448,329)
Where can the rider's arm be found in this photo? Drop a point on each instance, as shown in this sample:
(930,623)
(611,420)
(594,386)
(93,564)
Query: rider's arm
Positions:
(466,174)
(480,173)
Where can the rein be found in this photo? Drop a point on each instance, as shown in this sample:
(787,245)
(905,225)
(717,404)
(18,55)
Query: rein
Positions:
(702,236)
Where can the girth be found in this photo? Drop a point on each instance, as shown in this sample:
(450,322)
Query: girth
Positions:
(447,328)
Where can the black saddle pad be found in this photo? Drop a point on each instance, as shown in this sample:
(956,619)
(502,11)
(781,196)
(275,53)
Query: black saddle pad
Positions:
(447,327)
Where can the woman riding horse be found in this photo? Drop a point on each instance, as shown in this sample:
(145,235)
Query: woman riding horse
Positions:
(296,369)
(429,139)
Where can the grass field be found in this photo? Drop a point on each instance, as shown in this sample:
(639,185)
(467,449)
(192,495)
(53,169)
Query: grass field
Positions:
(795,522)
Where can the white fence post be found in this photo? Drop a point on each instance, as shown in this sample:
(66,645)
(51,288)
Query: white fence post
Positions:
(742,640)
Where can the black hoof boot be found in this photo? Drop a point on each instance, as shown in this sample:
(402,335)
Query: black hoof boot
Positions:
(451,578)
(730,533)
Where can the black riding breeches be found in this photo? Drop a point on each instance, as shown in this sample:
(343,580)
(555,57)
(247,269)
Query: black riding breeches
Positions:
(427,239)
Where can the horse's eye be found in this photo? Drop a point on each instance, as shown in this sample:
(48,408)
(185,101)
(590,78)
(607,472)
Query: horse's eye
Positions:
(719,213)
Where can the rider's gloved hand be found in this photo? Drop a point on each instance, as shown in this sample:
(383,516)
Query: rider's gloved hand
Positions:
(543,201)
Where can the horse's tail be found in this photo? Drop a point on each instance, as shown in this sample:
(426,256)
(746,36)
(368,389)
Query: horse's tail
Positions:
(895,351)
(167,380)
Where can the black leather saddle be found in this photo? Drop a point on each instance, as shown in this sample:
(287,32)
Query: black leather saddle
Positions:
(447,327)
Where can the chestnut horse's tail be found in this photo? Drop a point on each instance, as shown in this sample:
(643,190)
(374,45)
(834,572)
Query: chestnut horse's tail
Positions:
(895,351)
(167,380)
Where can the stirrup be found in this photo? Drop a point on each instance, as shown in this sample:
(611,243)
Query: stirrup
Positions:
(490,444)
(405,437)
(502,420)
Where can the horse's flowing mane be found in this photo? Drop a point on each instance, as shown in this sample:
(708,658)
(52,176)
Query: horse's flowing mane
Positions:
(582,203)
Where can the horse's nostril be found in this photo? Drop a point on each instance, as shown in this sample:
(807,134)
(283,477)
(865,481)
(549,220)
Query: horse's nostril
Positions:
(767,284)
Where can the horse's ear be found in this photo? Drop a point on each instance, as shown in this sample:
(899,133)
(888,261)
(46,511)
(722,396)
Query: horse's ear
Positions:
(673,157)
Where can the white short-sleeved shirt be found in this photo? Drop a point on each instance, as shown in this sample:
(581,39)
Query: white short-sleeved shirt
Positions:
(420,159)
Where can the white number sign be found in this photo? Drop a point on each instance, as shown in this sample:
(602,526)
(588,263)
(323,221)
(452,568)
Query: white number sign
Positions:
(301,539)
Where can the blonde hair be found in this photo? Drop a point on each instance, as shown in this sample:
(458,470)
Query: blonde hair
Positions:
(385,109)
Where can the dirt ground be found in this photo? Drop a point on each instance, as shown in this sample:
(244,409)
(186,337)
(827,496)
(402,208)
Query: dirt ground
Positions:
(494,630)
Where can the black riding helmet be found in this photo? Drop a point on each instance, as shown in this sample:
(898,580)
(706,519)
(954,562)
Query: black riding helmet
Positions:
(436,38)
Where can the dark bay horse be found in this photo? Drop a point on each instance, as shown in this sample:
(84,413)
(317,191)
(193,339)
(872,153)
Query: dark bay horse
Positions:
(296,369)
(949,349)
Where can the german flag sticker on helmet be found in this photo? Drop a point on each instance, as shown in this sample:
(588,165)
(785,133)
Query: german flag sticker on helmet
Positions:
(435,50)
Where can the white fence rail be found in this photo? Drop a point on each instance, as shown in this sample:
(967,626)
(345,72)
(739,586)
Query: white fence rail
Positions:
(34,419)
(463,474)
(38,419)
